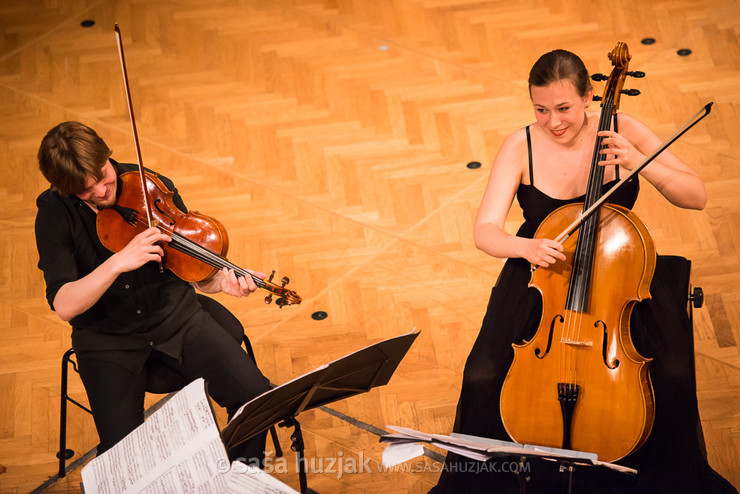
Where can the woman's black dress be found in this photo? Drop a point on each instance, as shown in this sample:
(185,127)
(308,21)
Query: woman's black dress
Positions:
(673,459)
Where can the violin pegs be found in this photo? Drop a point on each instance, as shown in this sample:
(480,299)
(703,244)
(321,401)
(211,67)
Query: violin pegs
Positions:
(268,299)
(630,92)
(285,281)
(269,280)
(598,77)
(637,74)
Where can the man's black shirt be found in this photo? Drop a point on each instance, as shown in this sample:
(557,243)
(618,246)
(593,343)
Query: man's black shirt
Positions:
(142,309)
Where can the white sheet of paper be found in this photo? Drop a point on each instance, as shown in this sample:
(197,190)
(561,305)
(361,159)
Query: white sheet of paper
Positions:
(247,478)
(177,449)
(395,454)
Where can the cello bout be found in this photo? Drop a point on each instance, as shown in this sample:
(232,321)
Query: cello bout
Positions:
(584,384)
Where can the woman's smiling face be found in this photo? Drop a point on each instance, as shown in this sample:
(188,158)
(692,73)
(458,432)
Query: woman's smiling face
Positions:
(560,111)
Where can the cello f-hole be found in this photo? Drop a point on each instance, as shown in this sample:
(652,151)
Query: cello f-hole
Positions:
(605,346)
(538,351)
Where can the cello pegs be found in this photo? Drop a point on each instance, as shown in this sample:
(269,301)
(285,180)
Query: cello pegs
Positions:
(630,92)
(637,74)
(596,97)
(598,77)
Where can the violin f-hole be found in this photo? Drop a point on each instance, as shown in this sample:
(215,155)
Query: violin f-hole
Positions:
(163,213)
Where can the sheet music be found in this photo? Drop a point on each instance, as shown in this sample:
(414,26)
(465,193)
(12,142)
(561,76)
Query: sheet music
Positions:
(248,478)
(482,449)
(177,449)
(478,445)
(397,453)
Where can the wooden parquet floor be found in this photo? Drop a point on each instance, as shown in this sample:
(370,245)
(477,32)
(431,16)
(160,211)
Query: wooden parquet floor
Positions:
(331,138)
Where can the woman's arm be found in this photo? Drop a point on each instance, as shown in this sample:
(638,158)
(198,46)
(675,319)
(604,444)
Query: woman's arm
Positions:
(674,179)
(488,231)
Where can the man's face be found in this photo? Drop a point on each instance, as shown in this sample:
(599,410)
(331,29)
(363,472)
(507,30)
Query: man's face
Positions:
(101,194)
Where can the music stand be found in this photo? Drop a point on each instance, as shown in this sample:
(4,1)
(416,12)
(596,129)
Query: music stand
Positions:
(484,449)
(351,375)
(566,459)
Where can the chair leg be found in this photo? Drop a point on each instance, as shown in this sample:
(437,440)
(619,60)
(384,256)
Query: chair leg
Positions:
(65,454)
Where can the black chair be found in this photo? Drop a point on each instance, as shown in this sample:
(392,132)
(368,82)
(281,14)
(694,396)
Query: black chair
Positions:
(159,383)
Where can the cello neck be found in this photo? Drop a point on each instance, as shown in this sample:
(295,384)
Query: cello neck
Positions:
(583,260)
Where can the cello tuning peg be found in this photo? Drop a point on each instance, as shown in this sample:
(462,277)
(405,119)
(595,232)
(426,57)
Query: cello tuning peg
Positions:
(630,92)
(597,97)
(598,77)
(638,74)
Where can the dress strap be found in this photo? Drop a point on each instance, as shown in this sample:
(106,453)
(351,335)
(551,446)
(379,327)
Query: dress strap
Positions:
(529,153)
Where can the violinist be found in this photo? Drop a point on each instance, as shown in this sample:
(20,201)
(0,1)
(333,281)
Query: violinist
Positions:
(545,165)
(129,318)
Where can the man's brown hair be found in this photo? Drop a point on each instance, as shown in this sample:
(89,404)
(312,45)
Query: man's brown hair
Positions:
(69,154)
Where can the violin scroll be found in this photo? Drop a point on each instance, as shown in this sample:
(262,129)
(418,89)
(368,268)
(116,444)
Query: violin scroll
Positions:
(285,296)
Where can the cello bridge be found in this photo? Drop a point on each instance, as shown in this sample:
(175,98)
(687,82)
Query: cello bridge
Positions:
(587,344)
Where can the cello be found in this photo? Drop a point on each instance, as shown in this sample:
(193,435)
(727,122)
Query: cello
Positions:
(199,243)
(579,383)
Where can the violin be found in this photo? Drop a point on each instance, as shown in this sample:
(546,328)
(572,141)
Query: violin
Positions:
(199,243)
(580,383)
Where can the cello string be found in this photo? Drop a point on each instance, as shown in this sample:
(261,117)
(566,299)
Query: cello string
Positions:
(583,264)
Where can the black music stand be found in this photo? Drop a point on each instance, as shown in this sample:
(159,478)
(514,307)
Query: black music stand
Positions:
(351,375)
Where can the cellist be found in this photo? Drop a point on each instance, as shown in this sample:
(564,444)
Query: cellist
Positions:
(545,165)
(129,320)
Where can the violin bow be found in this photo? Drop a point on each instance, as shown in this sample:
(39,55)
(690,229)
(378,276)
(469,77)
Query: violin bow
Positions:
(595,206)
(119,42)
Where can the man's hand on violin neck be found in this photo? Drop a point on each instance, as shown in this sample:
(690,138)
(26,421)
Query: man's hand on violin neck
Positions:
(237,286)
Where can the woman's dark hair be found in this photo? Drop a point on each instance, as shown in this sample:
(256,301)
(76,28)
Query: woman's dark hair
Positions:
(560,65)
(69,154)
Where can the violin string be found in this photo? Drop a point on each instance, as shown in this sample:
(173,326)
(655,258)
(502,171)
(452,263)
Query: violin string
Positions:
(197,251)
(202,254)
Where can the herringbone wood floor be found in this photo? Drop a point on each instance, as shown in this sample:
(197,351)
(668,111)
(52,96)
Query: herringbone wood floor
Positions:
(331,139)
